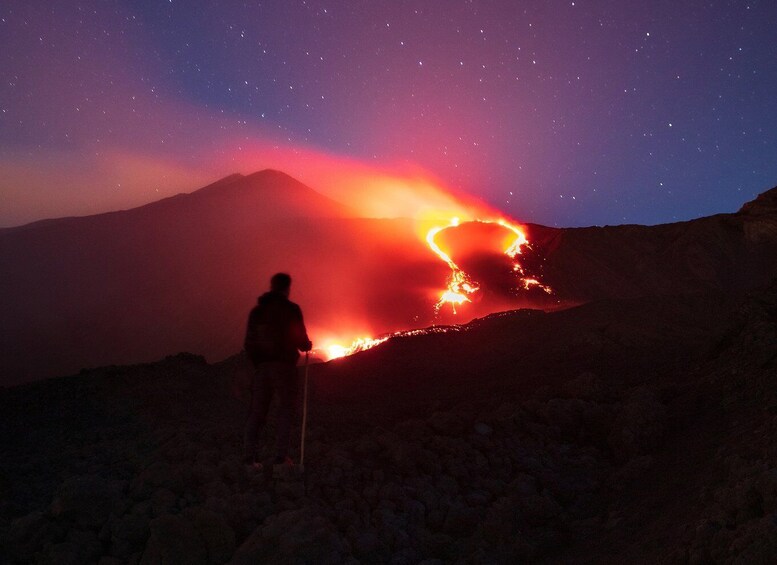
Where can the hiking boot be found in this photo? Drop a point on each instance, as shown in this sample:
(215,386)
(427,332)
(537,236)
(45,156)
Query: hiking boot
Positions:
(284,468)
(253,464)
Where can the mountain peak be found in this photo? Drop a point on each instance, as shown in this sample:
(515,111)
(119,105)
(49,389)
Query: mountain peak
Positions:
(268,192)
(271,174)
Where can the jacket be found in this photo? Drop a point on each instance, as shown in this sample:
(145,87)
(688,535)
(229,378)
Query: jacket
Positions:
(276,330)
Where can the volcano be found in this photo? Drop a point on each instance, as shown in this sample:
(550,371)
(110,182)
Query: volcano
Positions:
(630,419)
(180,274)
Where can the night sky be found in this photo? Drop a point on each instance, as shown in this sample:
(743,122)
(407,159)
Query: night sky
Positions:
(565,113)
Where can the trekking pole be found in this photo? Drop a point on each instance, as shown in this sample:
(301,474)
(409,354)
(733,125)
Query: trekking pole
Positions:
(304,413)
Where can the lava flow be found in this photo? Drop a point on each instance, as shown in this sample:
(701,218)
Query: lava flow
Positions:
(460,285)
(335,351)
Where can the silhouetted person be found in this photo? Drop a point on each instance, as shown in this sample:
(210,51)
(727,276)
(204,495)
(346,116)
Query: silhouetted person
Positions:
(274,335)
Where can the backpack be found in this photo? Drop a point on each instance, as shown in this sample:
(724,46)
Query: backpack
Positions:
(267,336)
(267,340)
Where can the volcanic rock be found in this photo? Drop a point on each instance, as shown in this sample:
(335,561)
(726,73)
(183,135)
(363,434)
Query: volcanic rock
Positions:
(28,534)
(87,500)
(174,540)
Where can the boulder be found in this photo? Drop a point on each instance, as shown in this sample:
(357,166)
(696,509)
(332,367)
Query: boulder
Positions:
(483,429)
(586,386)
(213,529)
(163,501)
(129,534)
(639,424)
(460,521)
(88,500)
(293,536)
(79,547)
(446,423)
(174,540)
(30,534)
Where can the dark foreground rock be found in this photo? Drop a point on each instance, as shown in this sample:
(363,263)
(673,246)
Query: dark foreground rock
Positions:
(628,431)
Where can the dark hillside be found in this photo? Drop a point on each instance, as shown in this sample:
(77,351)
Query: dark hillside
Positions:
(727,252)
(637,430)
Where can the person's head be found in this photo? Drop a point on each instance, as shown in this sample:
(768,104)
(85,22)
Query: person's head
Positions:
(280,282)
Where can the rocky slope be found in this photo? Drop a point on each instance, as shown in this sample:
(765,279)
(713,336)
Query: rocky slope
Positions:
(634,430)
(726,252)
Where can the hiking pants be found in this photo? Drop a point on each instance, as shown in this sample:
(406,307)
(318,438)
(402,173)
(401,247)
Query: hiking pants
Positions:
(271,379)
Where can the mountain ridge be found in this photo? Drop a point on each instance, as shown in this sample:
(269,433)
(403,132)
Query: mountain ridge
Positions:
(264,180)
(181,273)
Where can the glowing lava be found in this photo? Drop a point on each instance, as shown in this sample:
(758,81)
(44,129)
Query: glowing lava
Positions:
(459,288)
(460,285)
(335,351)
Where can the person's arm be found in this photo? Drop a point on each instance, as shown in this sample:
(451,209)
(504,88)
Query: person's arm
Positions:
(301,340)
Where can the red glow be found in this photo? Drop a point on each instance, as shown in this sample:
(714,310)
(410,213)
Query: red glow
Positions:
(362,269)
(460,285)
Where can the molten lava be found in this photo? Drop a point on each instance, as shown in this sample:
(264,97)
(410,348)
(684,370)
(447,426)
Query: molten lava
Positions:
(335,351)
(460,285)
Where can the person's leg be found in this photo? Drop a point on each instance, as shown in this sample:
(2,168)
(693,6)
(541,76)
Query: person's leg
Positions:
(287,387)
(261,396)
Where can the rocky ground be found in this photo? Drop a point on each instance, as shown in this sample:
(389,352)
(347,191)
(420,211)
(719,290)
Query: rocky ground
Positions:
(631,431)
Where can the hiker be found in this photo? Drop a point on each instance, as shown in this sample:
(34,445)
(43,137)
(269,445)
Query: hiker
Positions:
(274,335)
